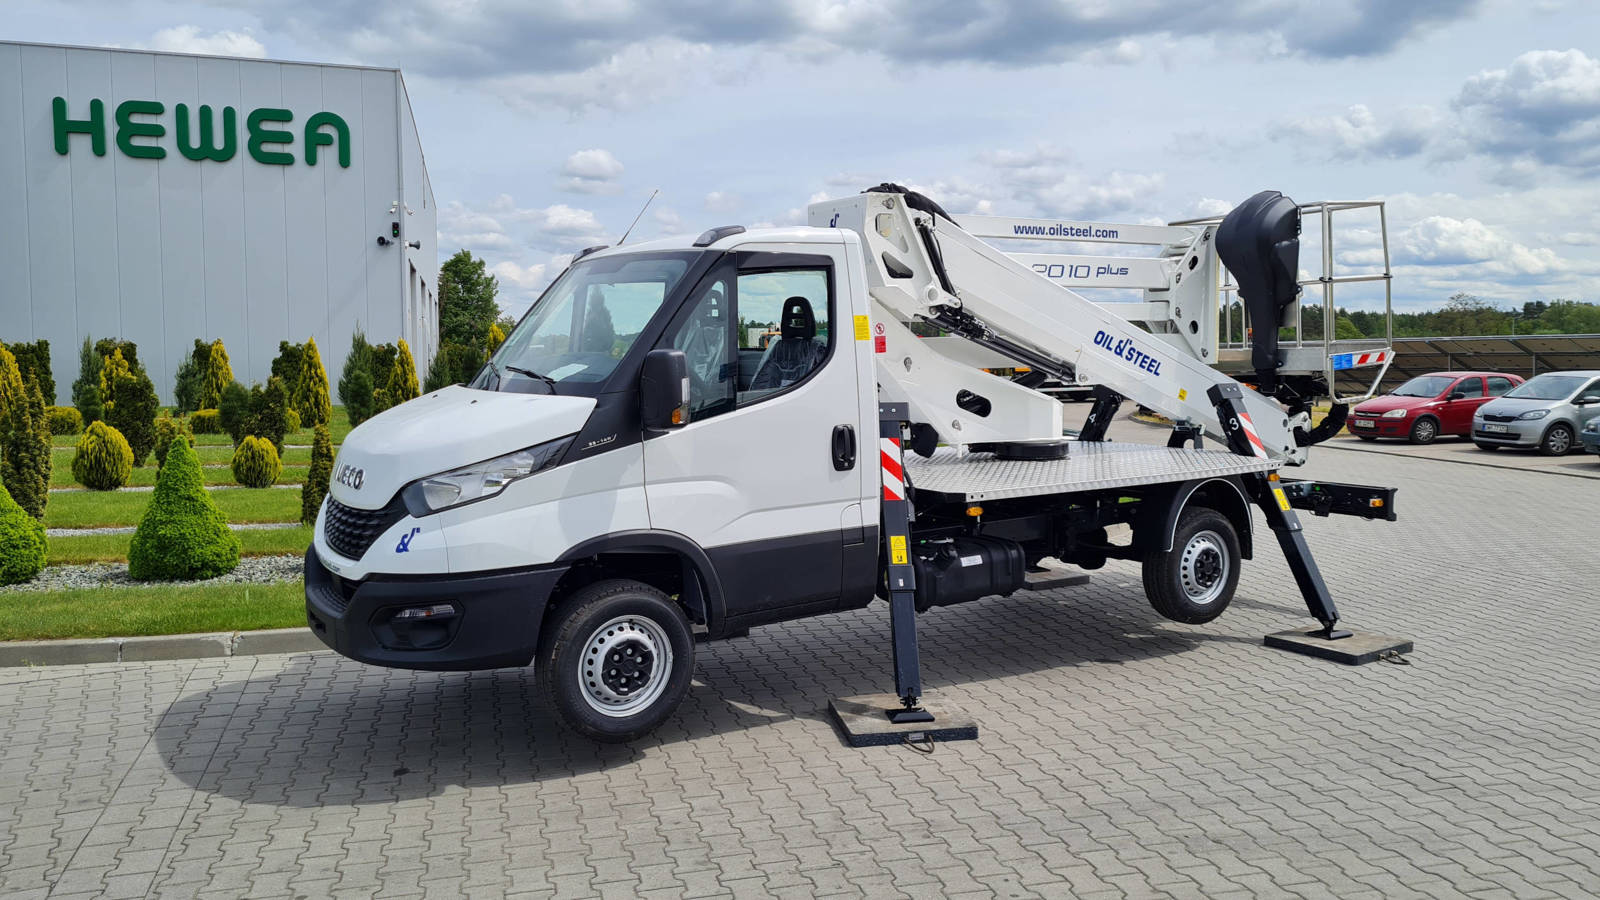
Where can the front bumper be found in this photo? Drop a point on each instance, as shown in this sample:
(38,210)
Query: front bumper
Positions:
(1517,434)
(1590,440)
(1380,427)
(496,622)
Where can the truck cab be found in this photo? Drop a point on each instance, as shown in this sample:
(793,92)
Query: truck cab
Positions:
(452,519)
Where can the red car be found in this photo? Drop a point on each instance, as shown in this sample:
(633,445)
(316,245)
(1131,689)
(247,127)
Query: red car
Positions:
(1428,406)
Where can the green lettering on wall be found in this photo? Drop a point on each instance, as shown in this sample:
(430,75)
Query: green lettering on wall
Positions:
(208,148)
(315,137)
(128,129)
(260,136)
(94,126)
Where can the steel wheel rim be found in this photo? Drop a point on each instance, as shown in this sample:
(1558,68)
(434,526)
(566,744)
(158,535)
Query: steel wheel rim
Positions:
(1203,568)
(625,666)
(1425,430)
(1559,440)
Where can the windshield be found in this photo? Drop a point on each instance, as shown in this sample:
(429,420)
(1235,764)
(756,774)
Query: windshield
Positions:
(1424,386)
(1547,387)
(586,322)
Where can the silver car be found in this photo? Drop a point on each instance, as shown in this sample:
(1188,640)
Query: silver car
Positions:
(1546,411)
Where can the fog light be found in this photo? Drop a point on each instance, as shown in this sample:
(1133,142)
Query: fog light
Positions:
(417,613)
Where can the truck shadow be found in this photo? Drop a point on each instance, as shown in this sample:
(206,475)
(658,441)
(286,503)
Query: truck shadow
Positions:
(320,729)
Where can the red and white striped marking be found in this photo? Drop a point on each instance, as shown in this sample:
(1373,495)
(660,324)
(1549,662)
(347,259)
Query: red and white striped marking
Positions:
(1250,432)
(894,474)
(1375,358)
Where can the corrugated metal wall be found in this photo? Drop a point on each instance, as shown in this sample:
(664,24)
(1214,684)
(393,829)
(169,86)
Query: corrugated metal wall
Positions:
(165,251)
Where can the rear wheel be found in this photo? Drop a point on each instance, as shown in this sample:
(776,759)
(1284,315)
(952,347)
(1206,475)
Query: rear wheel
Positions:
(1557,440)
(1195,580)
(1424,431)
(616,660)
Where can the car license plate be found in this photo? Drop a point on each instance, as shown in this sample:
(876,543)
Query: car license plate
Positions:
(1363,423)
(1496,429)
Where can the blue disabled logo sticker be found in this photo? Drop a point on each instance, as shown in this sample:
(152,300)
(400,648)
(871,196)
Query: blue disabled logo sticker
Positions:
(405,541)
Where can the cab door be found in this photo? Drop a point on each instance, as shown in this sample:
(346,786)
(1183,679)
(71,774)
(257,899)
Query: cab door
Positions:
(1457,414)
(766,475)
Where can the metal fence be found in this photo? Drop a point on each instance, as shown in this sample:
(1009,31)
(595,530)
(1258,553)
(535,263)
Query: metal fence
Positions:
(1525,355)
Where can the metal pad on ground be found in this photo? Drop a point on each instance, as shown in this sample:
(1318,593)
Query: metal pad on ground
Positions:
(1358,649)
(864,721)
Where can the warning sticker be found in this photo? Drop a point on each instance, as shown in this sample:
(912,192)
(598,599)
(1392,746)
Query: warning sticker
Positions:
(863,329)
(1283,501)
(897,549)
(1183,394)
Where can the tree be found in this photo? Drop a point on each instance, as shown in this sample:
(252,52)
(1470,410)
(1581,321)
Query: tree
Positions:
(187,381)
(467,304)
(290,367)
(24,438)
(270,420)
(401,384)
(315,407)
(218,375)
(182,536)
(453,364)
(234,411)
(315,487)
(86,390)
(355,382)
(131,405)
(22,541)
(497,336)
(33,361)
(599,335)
(1345,328)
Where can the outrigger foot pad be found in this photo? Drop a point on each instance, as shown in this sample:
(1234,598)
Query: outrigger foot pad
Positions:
(874,720)
(1353,648)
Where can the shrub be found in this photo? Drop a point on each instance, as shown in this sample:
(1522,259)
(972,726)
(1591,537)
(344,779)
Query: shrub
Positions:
(186,384)
(86,390)
(402,383)
(182,536)
(206,421)
(63,419)
(453,364)
(270,411)
(256,463)
(167,430)
(497,336)
(33,361)
(318,477)
(291,418)
(103,461)
(131,405)
(359,402)
(24,438)
(107,346)
(290,367)
(217,376)
(233,411)
(22,542)
(315,407)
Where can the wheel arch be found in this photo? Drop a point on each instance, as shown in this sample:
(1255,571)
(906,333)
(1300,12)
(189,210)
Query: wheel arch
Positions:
(666,560)
(1221,494)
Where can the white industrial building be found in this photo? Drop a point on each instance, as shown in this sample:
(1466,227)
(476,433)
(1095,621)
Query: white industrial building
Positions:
(163,197)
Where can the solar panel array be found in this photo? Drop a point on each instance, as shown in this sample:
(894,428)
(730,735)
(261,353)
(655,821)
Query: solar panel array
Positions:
(1525,355)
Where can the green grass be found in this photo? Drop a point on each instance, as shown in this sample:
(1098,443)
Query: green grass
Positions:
(96,509)
(158,609)
(97,548)
(61,476)
(337,429)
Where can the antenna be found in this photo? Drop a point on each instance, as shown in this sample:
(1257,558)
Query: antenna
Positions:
(638,217)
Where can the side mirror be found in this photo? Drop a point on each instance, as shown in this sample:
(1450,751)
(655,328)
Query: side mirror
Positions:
(664,390)
(1457,395)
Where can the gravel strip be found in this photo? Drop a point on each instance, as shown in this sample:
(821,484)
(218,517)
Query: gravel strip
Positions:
(128,529)
(251,570)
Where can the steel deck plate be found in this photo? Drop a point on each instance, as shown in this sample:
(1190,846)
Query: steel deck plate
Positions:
(1089,467)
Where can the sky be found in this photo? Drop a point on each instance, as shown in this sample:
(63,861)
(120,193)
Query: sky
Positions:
(547,125)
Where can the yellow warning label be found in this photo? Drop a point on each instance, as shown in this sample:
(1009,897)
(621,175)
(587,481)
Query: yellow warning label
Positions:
(863,329)
(1183,394)
(897,549)
(1283,501)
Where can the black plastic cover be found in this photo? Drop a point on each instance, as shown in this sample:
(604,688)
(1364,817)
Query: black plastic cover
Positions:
(1259,242)
(913,199)
(967,568)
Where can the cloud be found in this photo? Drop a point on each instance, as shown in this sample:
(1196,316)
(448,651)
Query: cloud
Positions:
(1544,108)
(462,227)
(1447,241)
(592,172)
(521,278)
(190,39)
(632,76)
(722,202)
(1358,134)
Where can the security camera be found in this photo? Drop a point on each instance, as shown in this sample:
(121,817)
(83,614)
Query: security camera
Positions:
(383,241)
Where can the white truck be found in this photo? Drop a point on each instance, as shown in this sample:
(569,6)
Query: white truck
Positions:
(632,472)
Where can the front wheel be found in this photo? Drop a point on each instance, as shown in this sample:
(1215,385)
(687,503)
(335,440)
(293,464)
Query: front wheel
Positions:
(615,660)
(1424,431)
(1194,581)
(1557,440)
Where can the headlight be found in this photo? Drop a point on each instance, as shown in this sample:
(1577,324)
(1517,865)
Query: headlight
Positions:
(479,481)
(1535,414)
(1594,425)
(1396,414)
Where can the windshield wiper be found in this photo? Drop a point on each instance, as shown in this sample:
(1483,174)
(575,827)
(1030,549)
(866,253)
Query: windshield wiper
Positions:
(532,374)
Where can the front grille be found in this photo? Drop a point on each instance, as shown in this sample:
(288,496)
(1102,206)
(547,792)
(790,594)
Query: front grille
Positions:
(351,531)
(1487,417)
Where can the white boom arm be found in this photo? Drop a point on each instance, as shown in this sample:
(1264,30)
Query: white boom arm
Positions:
(1002,304)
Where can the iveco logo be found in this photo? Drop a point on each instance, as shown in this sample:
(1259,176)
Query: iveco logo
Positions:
(350,477)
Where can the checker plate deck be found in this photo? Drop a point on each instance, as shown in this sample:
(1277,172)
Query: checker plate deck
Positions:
(1088,467)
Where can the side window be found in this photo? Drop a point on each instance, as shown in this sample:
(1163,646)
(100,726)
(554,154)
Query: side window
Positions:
(1498,385)
(1472,387)
(785,329)
(1590,393)
(706,339)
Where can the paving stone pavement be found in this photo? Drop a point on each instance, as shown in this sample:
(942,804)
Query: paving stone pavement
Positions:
(1120,755)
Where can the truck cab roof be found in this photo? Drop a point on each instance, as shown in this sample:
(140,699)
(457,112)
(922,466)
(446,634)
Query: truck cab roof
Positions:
(791,234)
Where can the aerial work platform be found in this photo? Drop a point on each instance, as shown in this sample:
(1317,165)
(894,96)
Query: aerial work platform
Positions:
(1090,466)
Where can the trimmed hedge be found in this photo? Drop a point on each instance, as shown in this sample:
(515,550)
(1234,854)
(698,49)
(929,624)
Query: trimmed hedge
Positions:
(256,463)
(22,542)
(182,536)
(103,461)
(206,421)
(315,487)
(64,420)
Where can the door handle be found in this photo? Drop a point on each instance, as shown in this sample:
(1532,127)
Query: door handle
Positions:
(844,448)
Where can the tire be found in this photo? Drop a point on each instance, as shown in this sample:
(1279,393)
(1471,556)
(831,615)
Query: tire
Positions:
(1482,446)
(1557,440)
(624,622)
(1195,580)
(1367,437)
(1425,431)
